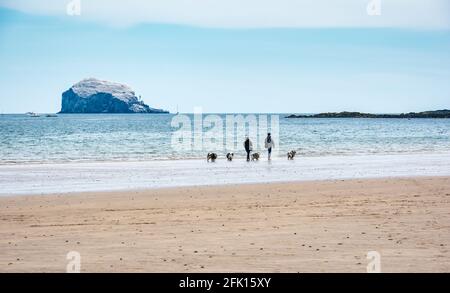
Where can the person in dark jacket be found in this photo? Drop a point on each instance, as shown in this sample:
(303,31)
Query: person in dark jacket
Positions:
(248,147)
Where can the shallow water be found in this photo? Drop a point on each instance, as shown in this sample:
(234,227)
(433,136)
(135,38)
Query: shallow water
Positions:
(108,176)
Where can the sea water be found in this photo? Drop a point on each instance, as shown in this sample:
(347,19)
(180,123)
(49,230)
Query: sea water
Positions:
(144,137)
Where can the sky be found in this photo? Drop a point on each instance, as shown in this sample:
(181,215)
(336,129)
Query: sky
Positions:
(286,56)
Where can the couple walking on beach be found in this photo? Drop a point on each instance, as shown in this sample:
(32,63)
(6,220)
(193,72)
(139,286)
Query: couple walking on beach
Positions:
(268,143)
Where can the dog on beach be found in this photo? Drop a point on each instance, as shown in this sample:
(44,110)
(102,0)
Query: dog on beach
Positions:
(255,157)
(291,155)
(230,157)
(211,157)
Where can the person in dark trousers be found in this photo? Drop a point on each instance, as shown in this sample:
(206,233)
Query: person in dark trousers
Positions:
(269,144)
(248,147)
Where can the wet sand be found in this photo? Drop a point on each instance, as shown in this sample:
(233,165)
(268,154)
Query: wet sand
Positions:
(319,226)
(28,179)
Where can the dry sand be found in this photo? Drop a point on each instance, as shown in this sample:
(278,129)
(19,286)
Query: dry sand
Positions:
(324,226)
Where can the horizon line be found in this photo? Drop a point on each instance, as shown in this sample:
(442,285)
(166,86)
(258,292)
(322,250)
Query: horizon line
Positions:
(225,113)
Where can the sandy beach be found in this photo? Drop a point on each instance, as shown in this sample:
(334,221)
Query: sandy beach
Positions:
(316,226)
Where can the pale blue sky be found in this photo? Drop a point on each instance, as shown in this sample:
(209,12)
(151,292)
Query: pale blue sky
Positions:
(228,69)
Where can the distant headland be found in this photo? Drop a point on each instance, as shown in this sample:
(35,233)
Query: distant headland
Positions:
(97,96)
(426,114)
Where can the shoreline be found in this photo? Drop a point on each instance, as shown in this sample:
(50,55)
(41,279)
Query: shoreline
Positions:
(140,175)
(222,157)
(318,226)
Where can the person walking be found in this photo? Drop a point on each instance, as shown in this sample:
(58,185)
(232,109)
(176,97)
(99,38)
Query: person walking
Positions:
(269,144)
(248,147)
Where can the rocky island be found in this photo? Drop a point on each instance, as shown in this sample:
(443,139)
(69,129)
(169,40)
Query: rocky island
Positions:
(427,114)
(97,96)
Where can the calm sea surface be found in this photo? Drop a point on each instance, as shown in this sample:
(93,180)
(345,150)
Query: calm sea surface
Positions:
(149,137)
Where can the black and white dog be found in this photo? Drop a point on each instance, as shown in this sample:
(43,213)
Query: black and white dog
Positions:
(230,157)
(211,157)
(291,155)
(255,157)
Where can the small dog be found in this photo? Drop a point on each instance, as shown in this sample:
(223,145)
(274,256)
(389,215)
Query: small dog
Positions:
(230,157)
(255,157)
(211,157)
(291,155)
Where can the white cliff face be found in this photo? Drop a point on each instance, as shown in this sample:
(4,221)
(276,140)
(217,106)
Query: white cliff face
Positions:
(98,96)
(91,86)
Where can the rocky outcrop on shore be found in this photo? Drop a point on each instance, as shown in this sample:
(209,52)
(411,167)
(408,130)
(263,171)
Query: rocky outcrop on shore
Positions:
(427,114)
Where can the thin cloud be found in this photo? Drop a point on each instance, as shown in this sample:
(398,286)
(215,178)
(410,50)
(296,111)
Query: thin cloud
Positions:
(417,14)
